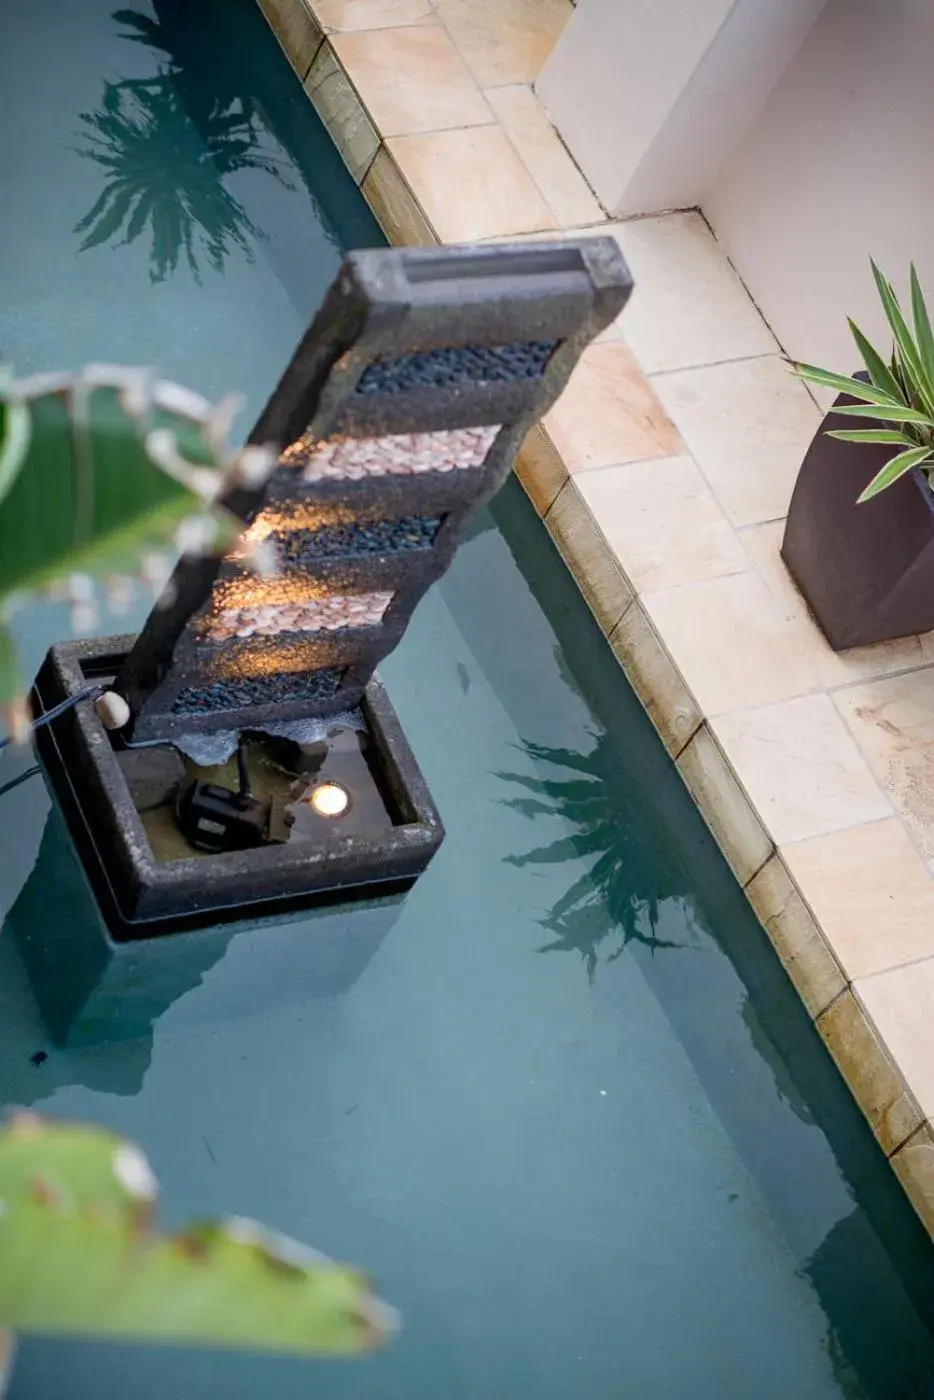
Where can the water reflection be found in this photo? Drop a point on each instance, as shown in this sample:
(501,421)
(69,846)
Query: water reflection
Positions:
(167,146)
(617,901)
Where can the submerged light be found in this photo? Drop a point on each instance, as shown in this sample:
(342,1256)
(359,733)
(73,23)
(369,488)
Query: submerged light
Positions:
(330,799)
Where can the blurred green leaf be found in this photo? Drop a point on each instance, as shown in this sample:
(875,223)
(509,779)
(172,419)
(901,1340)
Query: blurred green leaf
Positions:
(78,1256)
(87,497)
(14,434)
(96,468)
(11,684)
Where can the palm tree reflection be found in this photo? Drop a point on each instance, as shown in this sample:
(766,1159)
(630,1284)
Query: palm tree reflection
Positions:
(617,901)
(167,145)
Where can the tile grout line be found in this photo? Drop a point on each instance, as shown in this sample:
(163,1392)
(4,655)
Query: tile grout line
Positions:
(775,354)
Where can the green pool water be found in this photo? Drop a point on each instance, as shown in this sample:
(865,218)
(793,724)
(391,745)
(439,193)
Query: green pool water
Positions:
(570,1114)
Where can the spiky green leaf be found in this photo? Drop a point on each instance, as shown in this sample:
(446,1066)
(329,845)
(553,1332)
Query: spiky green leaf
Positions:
(879,372)
(872,435)
(894,469)
(843,384)
(923,332)
(887,413)
(907,349)
(79,1256)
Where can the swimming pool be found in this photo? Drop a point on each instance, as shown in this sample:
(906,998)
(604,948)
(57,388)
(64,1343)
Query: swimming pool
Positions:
(570,1114)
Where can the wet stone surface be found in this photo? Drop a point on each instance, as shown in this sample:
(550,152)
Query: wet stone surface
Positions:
(466,364)
(300,547)
(259,690)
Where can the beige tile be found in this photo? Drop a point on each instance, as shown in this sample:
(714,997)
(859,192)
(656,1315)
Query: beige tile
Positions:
(342,112)
(471,184)
(762,543)
(868,1069)
(729,640)
(504,41)
(394,204)
(346,16)
(608,413)
(892,721)
(748,426)
(663,522)
(566,192)
(900,1004)
(589,557)
(724,806)
(298,31)
(800,767)
(411,80)
(655,680)
(914,1166)
(689,307)
(540,469)
(871,893)
(800,945)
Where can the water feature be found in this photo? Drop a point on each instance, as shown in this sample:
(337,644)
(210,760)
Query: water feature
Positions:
(569,1112)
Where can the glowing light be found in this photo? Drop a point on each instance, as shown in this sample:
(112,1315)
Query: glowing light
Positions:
(330,799)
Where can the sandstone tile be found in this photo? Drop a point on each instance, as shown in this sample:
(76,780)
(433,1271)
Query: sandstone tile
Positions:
(471,184)
(729,640)
(564,188)
(411,80)
(589,557)
(654,678)
(748,426)
(799,765)
(914,1166)
(504,41)
(662,521)
(870,891)
(690,307)
(900,1004)
(892,721)
(342,112)
(712,783)
(800,944)
(541,469)
(868,1069)
(608,413)
(395,206)
(299,33)
(347,16)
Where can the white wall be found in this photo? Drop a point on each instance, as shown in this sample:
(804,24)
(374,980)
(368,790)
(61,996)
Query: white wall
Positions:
(652,95)
(839,164)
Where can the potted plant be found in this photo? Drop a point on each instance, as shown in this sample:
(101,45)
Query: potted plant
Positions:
(859,540)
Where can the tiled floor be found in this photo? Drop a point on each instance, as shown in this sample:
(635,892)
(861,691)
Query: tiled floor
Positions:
(664,474)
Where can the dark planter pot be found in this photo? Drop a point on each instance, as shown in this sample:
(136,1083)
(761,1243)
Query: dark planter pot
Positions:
(867,571)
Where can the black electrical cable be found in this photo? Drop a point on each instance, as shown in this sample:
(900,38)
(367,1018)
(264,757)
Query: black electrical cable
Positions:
(245,788)
(21,778)
(91,692)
